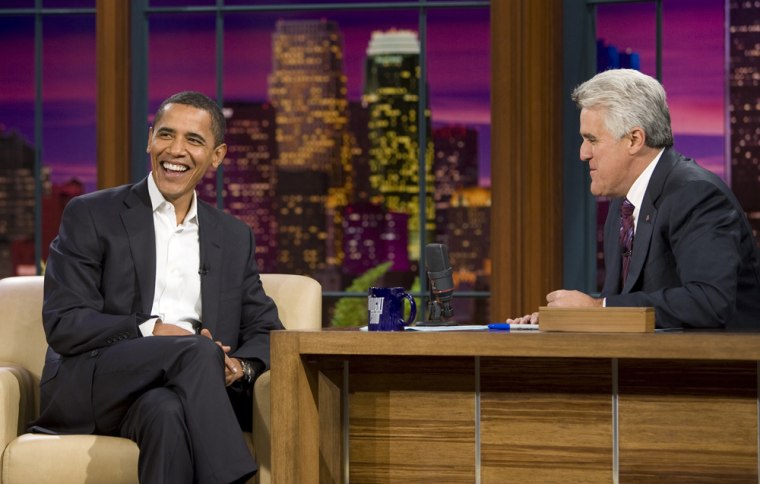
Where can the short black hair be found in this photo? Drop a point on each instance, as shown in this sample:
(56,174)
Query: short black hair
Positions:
(200,101)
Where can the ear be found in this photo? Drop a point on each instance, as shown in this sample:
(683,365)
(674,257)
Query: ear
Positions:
(219,153)
(150,136)
(637,138)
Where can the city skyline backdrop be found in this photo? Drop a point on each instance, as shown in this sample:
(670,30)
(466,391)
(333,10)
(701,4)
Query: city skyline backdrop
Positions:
(182,50)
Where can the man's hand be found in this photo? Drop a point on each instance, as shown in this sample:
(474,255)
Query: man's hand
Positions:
(527,319)
(571,299)
(233,370)
(561,299)
(163,329)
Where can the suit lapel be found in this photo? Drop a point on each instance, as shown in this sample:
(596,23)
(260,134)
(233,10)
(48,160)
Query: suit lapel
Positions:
(612,250)
(641,240)
(138,223)
(211,265)
(647,217)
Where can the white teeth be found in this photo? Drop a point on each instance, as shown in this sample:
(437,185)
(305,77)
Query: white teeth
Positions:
(174,167)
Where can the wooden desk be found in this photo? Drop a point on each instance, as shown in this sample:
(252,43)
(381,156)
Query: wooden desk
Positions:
(520,407)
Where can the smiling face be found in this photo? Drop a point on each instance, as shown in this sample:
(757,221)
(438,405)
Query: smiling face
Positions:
(181,148)
(609,158)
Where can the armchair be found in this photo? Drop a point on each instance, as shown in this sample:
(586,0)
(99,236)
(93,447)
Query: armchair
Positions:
(70,459)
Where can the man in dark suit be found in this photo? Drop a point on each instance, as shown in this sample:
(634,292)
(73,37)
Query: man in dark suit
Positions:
(155,314)
(675,238)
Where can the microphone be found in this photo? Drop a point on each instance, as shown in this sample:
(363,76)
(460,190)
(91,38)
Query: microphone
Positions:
(439,273)
(203,270)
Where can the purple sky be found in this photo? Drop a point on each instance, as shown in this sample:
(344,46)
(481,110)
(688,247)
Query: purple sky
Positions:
(181,56)
(694,72)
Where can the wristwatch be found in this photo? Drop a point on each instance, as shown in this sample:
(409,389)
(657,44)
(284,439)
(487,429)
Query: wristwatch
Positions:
(247,370)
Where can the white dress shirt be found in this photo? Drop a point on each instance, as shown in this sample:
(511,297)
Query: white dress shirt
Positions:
(638,189)
(177,296)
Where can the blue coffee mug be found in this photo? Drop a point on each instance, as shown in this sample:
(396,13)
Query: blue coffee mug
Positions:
(386,308)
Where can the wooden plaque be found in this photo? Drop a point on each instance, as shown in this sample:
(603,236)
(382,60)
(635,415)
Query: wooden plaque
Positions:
(597,320)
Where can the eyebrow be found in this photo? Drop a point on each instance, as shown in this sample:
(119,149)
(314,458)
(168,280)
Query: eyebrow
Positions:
(192,134)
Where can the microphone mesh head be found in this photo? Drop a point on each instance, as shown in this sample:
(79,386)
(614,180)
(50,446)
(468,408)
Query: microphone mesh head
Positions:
(436,257)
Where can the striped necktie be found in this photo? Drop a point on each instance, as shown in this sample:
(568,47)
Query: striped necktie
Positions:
(626,237)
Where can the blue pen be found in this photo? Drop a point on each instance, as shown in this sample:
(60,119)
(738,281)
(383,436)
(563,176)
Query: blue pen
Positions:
(509,327)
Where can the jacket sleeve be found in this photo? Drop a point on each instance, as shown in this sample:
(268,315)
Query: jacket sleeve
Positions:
(702,230)
(73,310)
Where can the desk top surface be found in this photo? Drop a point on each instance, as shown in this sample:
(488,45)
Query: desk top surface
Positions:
(669,345)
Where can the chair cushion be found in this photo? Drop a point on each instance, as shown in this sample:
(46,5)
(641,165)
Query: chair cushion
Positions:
(73,459)
(70,459)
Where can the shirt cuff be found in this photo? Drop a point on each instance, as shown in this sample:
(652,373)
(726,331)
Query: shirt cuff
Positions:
(146,328)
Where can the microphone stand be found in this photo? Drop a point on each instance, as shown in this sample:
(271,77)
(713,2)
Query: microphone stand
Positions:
(438,312)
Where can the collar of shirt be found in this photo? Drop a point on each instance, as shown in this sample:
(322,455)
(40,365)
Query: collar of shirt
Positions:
(638,189)
(157,201)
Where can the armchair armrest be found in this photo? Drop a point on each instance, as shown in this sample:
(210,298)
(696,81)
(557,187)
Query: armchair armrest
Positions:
(262,427)
(10,399)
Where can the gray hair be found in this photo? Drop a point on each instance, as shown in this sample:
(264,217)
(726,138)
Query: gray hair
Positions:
(199,101)
(630,99)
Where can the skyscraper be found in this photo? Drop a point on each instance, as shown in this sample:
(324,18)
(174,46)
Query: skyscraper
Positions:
(307,87)
(744,106)
(249,175)
(455,167)
(468,221)
(374,236)
(391,93)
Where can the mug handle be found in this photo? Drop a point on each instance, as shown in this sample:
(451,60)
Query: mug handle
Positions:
(413,312)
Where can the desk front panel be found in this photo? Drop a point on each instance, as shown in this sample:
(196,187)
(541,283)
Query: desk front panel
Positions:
(688,421)
(546,420)
(551,420)
(458,408)
(411,417)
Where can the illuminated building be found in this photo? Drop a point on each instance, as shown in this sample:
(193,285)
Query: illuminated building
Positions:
(455,166)
(249,177)
(468,228)
(391,94)
(374,236)
(307,87)
(744,106)
(360,190)
(302,234)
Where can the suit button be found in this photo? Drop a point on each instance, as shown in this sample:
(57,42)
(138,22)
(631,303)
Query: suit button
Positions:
(94,353)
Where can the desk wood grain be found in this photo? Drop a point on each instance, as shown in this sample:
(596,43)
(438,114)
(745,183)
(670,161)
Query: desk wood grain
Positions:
(688,421)
(546,420)
(516,407)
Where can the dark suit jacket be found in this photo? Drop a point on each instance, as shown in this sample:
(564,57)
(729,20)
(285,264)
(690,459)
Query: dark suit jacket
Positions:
(99,284)
(694,257)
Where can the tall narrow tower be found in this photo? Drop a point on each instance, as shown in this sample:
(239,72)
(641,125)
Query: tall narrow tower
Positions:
(744,106)
(307,87)
(391,93)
